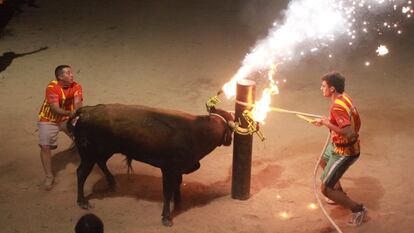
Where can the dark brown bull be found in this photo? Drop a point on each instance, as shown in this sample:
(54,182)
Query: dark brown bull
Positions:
(171,140)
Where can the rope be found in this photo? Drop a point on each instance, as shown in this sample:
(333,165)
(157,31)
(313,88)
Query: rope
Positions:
(273,109)
(304,116)
(315,192)
(215,114)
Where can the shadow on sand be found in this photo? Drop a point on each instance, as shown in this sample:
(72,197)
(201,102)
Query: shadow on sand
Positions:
(63,158)
(145,187)
(366,189)
(7,58)
(193,194)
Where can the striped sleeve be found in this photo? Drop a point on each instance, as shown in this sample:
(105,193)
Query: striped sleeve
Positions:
(341,116)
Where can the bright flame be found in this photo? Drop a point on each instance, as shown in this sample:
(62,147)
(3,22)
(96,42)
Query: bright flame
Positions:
(262,107)
(382,50)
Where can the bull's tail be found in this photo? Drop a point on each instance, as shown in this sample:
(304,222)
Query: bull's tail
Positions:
(129,164)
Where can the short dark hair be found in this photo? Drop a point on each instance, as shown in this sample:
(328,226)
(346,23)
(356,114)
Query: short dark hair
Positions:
(336,80)
(89,223)
(59,70)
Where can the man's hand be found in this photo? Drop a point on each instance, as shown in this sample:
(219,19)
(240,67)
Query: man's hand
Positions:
(320,121)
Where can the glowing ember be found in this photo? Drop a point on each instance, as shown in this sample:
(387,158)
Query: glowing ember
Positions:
(284,215)
(367,63)
(312,206)
(382,50)
(406,9)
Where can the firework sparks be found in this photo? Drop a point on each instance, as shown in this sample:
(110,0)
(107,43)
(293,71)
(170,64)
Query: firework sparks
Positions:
(382,50)
(309,27)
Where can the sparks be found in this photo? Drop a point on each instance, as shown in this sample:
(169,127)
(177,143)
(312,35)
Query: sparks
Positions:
(405,9)
(382,50)
(311,26)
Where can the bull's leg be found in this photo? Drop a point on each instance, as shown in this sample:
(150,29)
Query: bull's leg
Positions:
(82,172)
(109,177)
(177,192)
(169,182)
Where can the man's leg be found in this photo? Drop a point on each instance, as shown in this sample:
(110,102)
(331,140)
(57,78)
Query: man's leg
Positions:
(333,171)
(338,185)
(327,155)
(47,141)
(46,158)
(340,197)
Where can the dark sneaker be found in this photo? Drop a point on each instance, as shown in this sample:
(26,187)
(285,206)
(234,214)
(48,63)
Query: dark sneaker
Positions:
(358,217)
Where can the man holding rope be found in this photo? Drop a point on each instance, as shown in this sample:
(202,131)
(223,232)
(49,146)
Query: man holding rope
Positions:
(343,149)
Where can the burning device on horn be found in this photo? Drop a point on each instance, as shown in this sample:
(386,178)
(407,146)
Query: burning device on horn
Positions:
(252,125)
(212,102)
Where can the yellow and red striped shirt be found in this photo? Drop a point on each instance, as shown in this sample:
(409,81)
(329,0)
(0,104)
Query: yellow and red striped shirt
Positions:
(63,96)
(343,113)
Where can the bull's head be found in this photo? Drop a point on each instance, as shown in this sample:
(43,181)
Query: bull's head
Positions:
(228,118)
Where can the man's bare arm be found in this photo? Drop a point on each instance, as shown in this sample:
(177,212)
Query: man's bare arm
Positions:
(346,131)
(78,102)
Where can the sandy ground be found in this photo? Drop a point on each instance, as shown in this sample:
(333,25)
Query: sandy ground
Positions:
(176,54)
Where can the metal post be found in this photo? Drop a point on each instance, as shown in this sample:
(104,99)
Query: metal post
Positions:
(242,145)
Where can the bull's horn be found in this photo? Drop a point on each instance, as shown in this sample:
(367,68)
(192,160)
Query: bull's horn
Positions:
(232,125)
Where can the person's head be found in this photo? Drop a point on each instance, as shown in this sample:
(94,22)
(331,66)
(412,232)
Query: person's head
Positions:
(89,223)
(63,73)
(332,82)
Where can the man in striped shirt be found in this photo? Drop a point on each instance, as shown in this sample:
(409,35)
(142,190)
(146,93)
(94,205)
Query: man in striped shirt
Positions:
(344,148)
(63,97)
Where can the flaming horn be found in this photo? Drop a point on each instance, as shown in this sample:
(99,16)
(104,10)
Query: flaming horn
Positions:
(252,125)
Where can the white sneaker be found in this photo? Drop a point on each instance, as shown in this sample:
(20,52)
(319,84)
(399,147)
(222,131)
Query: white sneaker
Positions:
(358,217)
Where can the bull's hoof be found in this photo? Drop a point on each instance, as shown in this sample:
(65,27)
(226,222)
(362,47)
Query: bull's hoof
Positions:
(167,222)
(85,205)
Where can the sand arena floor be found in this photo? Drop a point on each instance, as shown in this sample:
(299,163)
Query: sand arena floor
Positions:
(175,55)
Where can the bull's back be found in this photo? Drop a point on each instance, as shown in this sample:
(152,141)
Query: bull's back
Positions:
(144,132)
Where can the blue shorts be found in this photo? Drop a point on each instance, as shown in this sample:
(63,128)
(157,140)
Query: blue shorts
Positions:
(336,165)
